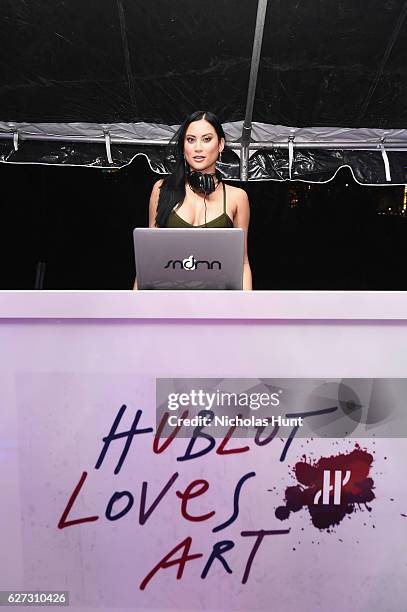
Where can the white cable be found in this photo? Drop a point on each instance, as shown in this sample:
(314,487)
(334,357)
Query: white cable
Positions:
(290,155)
(108,149)
(386,162)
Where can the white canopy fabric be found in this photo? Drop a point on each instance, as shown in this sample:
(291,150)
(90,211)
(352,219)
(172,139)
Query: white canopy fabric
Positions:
(119,143)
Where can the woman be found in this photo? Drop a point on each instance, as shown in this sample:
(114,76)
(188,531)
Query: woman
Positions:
(194,194)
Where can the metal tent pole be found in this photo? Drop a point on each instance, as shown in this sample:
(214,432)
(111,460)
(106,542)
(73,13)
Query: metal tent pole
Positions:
(126,53)
(251,92)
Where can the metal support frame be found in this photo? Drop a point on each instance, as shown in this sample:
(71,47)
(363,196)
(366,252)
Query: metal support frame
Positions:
(390,45)
(391,145)
(126,54)
(251,92)
(86,139)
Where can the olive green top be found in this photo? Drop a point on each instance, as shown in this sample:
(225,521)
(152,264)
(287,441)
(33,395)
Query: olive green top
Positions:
(174,220)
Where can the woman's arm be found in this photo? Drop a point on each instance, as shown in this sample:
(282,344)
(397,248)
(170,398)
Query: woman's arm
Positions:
(152,211)
(152,207)
(241,219)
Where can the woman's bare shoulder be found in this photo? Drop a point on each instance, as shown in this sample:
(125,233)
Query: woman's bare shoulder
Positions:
(158,184)
(238,194)
(235,190)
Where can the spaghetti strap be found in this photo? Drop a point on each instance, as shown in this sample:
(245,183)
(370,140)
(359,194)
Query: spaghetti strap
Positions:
(224,197)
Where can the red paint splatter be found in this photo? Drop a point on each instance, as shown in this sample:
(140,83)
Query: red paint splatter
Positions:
(356,491)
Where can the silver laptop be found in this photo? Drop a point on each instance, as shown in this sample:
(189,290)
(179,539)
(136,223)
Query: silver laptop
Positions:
(190,258)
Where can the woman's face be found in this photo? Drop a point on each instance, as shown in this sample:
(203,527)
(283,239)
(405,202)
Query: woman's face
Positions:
(202,146)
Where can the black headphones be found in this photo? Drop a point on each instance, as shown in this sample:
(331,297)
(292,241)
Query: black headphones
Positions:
(203,183)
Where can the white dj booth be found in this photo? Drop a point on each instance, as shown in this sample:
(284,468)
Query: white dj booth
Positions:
(186,333)
(69,359)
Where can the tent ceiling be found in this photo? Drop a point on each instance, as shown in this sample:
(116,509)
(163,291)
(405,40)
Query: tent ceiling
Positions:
(130,62)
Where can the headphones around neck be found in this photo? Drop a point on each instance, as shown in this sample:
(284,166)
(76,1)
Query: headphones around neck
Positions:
(203,183)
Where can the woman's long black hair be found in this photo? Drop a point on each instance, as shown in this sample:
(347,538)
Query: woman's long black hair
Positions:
(173,187)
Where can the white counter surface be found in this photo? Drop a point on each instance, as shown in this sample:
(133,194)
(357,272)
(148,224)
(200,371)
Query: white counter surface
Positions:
(266,305)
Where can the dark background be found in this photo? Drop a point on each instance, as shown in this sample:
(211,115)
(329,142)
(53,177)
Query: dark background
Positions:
(337,63)
(79,221)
